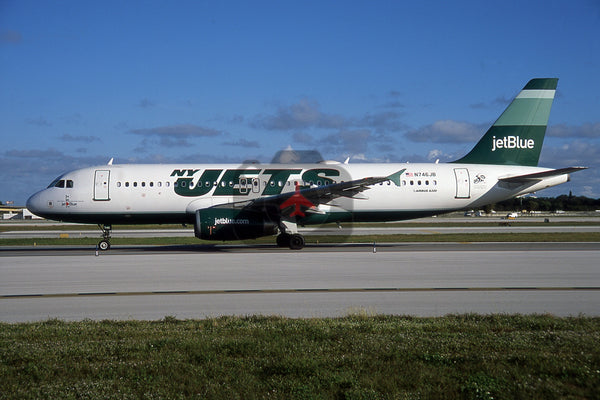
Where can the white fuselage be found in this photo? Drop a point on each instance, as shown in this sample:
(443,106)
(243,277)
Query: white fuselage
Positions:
(113,194)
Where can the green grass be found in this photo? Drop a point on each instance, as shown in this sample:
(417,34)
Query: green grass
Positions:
(322,239)
(446,223)
(355,357)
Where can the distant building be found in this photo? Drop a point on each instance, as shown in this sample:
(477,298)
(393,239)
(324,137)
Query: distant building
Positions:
(7,213)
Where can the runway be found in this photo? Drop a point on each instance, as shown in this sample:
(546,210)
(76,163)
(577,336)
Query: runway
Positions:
(425,279)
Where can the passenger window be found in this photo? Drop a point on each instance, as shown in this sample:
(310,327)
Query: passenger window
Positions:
(118,184)
(126,184)
(143,184)
(159,184)
(134,184)
(167,184)
(151,184)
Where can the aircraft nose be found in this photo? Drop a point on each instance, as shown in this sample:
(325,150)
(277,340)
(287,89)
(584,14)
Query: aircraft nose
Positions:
(34,203)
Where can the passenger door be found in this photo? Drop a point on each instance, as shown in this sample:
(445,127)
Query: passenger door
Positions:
(101,181)
(463,186)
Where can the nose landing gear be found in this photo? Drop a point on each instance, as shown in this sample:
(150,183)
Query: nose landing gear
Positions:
(104,244)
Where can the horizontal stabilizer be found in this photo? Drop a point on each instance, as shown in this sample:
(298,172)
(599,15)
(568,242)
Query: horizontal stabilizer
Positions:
(540,175)
(395,177)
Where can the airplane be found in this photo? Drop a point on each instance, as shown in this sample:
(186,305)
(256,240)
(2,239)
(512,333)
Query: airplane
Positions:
(251,200)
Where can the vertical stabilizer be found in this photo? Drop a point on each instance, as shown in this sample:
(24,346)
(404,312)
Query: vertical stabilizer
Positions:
(516,138)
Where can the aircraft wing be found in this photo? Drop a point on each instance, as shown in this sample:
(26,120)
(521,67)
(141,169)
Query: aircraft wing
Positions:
(528,178)
(295,203)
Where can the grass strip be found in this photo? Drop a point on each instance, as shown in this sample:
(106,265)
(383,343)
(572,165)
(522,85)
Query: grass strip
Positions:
(448,224)
(323,239)
(355,357)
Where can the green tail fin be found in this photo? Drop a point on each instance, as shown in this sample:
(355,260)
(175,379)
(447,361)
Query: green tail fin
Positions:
(516,138)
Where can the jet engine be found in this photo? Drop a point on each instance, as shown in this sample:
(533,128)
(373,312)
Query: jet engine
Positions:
(231,224)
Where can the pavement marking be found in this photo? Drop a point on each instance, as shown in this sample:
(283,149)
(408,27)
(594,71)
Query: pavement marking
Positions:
(306,290)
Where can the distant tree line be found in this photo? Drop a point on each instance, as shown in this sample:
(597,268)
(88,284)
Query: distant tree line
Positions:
(563,202)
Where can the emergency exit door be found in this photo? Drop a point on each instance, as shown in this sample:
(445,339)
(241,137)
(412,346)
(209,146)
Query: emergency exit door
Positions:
(463,184)
(101,180)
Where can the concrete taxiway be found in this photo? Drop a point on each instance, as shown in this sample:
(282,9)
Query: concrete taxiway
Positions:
(425,279)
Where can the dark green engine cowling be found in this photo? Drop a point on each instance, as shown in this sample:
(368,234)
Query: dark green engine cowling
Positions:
(231,224)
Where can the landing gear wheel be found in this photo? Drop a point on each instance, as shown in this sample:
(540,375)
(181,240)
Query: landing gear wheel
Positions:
(296,241)
(283,240)
(104,244)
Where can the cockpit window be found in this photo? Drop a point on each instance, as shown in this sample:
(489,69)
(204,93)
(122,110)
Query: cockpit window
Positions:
(61,183)
(54,183)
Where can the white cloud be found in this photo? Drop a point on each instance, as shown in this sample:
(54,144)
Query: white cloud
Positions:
(587,130)
(174,135)
(306,114)
(85,139)
(435,154)
(447,131)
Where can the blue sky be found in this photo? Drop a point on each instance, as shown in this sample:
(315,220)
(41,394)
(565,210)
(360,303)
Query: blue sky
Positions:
(225,81)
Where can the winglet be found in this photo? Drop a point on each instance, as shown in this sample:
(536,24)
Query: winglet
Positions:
(395,177)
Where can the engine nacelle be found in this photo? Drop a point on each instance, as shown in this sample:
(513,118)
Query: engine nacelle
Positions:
(229,224)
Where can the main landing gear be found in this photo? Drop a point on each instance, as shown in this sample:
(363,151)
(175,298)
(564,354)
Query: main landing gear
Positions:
(104,244)
(289,236)
(294,241)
